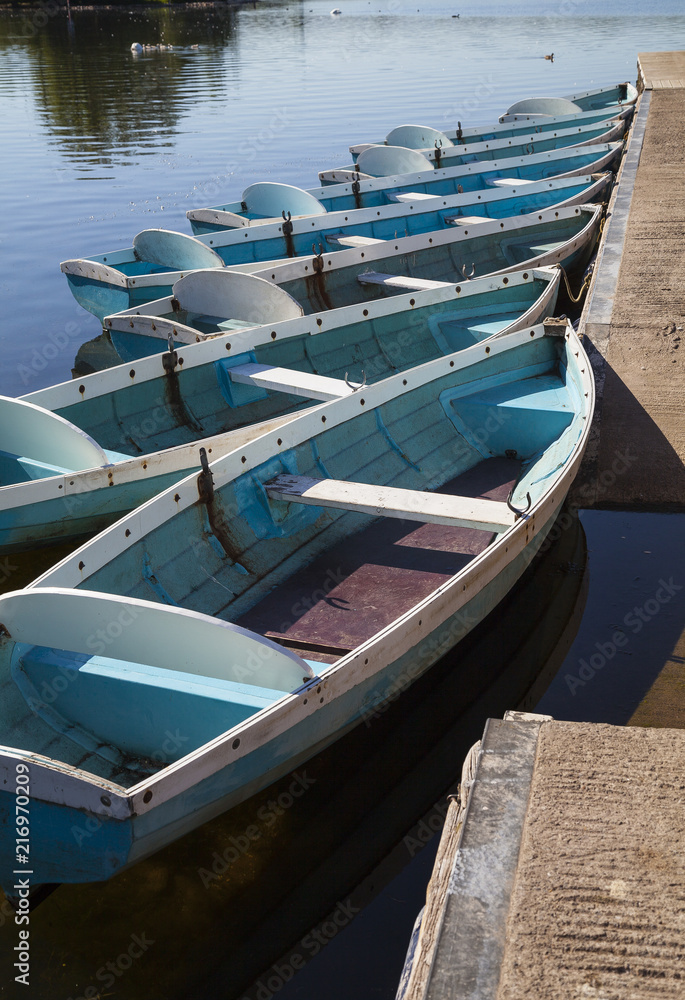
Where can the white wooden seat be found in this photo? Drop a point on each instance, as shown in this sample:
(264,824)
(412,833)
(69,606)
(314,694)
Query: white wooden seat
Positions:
(339,239)
(465,220)
(506,181)
(390,501)
(400,281)
(288,380)
(406,196)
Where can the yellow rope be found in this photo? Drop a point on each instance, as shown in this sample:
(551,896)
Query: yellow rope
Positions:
(583,288)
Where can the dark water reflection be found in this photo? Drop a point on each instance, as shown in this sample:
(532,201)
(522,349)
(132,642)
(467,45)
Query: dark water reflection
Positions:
(107,110)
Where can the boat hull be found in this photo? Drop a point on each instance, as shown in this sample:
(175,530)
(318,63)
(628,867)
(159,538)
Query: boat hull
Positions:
(69,845)
(525,401)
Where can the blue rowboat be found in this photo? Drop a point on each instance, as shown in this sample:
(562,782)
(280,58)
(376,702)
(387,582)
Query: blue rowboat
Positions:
(365,273)
(267,201)
(375,161)
(105,285)
(591,106)
(585,103)
(150,420)
(263,608)
(368,271)
(209,304)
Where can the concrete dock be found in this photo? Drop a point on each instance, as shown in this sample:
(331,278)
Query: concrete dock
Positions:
(634,317)
(561,870)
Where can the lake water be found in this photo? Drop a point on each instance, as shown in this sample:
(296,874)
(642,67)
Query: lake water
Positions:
(99,144)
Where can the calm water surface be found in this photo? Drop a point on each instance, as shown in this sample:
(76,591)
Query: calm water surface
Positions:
(99,144)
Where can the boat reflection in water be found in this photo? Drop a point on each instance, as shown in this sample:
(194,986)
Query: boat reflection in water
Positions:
(257,887)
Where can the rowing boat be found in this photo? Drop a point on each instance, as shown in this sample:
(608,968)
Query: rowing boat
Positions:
(437,147)
(371,270)
(109,283)
(263,608)
(78,455)
(368,271)
(209,304)
(586,102)
(591,106)
(267,200)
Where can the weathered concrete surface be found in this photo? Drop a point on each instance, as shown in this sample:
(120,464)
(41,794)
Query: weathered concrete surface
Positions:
(636,320)
(598,904)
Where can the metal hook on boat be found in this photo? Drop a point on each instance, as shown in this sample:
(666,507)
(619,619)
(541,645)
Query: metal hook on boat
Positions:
(287,224)
(515,510)
(205,481)
(473,271)
(317,263)
(170,357)
(459,132)
(438,151)
(355,388)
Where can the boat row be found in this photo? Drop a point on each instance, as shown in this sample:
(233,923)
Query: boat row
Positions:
(315,469)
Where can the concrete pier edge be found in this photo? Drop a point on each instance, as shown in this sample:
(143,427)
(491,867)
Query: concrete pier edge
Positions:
(473,875)
(633,318)
(595,320)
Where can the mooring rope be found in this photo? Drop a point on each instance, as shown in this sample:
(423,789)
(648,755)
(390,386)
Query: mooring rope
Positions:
(583,288)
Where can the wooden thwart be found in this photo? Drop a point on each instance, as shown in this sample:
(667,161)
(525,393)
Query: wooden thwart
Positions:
(464,220)
(288,380)
(400,281)
(390,501)
(507,181)
(340,239)
(408,196)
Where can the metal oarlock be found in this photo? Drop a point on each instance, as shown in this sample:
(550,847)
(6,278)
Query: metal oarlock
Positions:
(515,510)
(355,388)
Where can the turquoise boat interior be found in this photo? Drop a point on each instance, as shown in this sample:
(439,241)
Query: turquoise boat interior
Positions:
(425,181)
(443,323)
(38,444)
(331,288)
(315,580)
(234,246)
